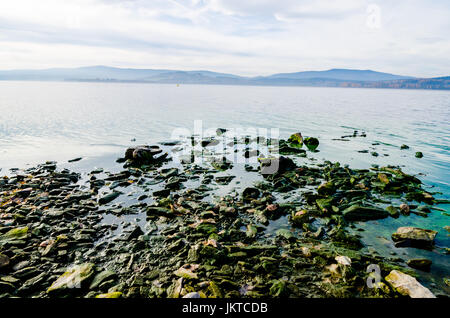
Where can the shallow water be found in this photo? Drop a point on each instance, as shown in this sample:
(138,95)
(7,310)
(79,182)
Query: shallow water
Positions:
(59,121)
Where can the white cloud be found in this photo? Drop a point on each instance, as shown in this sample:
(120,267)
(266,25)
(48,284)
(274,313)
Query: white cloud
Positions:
(243,37)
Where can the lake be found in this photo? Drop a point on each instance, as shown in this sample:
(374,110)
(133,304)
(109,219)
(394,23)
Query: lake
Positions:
(58,121)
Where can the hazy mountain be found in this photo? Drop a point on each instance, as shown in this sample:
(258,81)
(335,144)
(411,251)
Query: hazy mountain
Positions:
(333,77)
(340,74)
(102,73)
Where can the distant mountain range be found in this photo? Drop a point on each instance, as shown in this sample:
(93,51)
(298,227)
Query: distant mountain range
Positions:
(329,78)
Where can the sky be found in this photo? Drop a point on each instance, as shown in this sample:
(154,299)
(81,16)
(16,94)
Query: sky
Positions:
(243,37)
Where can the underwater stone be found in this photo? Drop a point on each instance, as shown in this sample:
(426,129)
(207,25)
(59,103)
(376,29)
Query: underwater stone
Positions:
(361,213)
(420,263)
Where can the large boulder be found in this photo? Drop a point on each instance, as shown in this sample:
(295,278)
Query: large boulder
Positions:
(407,285)
(362,213)
(408,236)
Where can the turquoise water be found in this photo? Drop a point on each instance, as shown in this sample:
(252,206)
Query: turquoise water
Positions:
(58,121)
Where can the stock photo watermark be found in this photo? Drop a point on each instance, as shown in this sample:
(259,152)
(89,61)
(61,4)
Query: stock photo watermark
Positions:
(373,20)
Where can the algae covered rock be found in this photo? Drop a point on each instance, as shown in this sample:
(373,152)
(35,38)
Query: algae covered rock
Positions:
(326,188)
(407,285)
(408,236)
(362,213)
(73,277)
(420,263)
(311,143)
(296,139)
(110,295)
(16,234)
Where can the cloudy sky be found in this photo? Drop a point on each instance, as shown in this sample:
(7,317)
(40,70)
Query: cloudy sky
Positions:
(245,37)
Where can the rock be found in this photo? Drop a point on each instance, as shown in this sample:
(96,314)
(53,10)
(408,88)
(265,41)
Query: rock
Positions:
(185,273)
(278,288)
(296,139)
(19,233)
(276,165)
(383,178)
(161,193)
(4,261)
(300,217)
(311,143)
(101,277)
(326,188)
(393,211)
(110,295)
(414,237)
(361,213)
(75,159)
(220,131)
(143,154)
(251,193)
(420,263)
(109,197)
(419,154)
(404,209)
(343,260)
(404,147)
(73,277)
(407,285)
(285,234)
(192,295)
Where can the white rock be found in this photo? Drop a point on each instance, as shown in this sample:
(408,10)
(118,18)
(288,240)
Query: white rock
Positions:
(192,295)
(408,285)
(343,260)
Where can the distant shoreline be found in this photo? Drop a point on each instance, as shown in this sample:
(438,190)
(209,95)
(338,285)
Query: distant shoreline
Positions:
(349,84)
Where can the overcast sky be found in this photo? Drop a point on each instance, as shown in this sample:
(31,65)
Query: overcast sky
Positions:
(244,37)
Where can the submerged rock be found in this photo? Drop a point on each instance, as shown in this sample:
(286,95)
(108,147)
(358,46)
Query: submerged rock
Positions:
(407,285)
(420,263)
(361,213)
(414,237)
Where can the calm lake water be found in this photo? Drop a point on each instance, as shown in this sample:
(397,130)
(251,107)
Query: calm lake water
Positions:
(58,121)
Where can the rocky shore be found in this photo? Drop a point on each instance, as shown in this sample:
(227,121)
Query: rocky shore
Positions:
(160,229)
